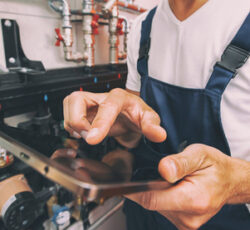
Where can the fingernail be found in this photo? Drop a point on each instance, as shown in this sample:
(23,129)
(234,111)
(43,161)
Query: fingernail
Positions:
(76,135)
(84,134)
(71,152)
(92,133)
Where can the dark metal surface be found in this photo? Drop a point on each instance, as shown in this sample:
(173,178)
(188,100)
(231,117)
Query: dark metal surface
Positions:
(21,93)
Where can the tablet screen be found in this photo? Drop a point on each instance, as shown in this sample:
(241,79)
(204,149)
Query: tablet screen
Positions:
(92,171)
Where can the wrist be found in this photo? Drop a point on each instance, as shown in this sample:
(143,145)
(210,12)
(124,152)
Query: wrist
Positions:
(240,181)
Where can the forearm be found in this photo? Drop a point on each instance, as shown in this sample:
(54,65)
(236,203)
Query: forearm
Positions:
(241,181)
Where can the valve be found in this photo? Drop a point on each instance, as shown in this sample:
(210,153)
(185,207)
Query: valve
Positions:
(59,37)
(120,26)
(95,24)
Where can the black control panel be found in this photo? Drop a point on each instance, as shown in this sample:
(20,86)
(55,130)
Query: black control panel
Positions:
(22,92)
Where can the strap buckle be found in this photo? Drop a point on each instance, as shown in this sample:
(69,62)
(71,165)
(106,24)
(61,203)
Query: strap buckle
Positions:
(233,58)
(144,49)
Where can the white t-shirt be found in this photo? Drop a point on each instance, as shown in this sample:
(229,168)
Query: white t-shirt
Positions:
(184,53)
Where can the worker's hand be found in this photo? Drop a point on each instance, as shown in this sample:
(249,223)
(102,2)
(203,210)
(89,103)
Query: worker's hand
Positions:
(66,152)
(118,113)
(204,182)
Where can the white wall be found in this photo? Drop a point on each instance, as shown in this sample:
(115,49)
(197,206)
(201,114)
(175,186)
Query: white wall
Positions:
(37,23)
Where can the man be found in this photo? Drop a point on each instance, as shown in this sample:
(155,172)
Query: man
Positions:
(190,92)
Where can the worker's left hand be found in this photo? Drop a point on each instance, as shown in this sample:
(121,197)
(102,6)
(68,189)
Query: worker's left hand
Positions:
(204,182)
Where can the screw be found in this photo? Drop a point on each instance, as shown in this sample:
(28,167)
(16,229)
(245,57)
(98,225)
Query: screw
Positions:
(24,70)
(7,23)
(46,169)
(12,60)
(25,222)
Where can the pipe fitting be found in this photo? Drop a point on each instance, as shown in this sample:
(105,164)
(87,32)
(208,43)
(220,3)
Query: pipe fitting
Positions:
(87,6)
(107,8)
(89,28)
(113,36)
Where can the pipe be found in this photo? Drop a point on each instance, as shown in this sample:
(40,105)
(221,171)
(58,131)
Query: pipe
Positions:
(113,35)
(132,7)
(66,25)
(110,9)
(123,54)
(126,6)
(66,37)
(107,8)
(88,6)
(89,27)
(53,7)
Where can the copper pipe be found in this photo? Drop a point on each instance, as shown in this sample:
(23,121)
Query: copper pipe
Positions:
(128,6)
(132,7)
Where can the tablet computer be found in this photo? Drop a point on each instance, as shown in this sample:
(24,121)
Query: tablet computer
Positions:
(92,179)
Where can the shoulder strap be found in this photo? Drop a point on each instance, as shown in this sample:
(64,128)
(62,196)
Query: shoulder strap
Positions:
(142,63)
(234,57)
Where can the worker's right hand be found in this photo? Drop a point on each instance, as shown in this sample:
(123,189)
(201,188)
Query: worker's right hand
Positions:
(118,113)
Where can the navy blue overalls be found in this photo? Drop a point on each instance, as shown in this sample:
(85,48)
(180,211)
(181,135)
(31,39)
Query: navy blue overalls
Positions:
(189,116)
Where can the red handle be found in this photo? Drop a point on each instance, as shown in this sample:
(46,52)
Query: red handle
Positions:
(120,26)
(94,24)
(59,37)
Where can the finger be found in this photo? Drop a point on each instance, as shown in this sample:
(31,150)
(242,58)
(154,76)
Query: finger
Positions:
(64,153)
(108,111)
(76,106)
(142,116)
(174,167)
(150,125)
(72,132)
(146,119)
(70,143)
(66,120)
(66,113)
(175,198)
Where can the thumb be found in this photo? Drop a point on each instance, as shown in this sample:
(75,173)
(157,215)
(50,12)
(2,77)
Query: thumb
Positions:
(175,167)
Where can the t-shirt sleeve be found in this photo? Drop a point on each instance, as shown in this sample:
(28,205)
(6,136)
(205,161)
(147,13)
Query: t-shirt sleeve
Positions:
(133,78)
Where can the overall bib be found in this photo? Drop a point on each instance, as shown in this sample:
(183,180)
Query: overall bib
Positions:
(189,116)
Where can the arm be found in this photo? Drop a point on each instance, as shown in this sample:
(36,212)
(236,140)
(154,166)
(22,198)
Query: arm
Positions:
(204,180)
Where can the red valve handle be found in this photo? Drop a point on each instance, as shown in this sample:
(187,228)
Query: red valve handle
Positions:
(59,37)
(120,26)
(95,24)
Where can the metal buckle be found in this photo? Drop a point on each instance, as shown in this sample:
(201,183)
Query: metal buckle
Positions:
(233,58)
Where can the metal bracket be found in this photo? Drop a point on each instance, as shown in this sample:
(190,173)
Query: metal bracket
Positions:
(16,61)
